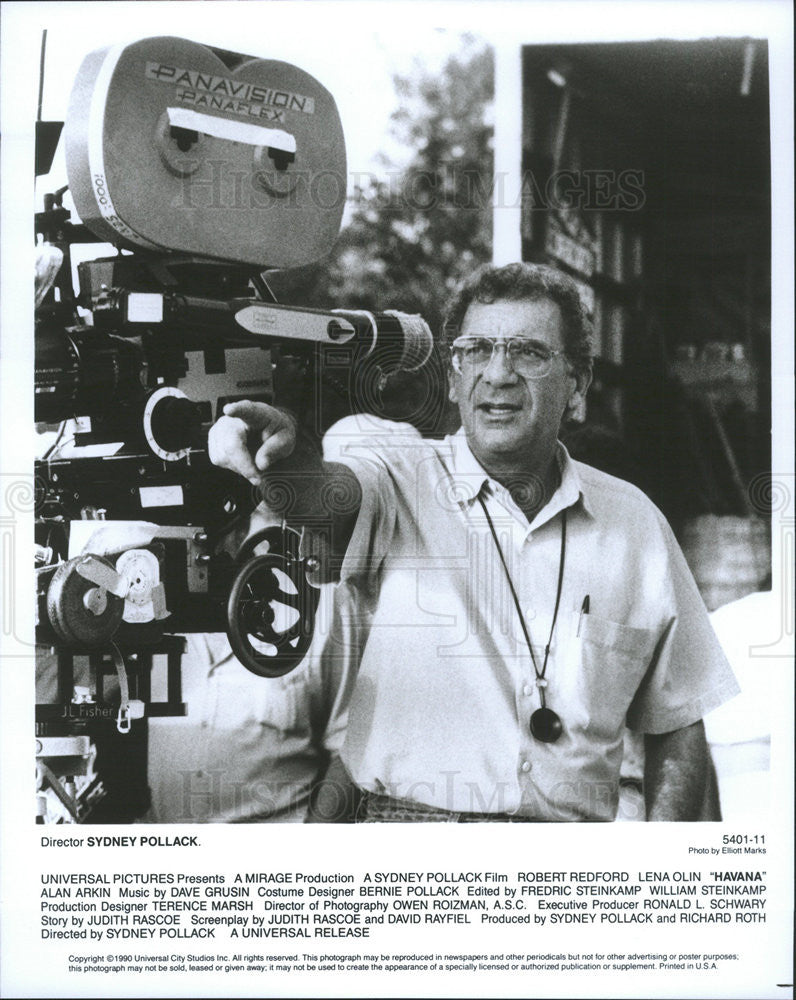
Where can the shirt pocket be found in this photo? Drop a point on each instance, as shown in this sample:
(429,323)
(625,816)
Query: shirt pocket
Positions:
(613,661)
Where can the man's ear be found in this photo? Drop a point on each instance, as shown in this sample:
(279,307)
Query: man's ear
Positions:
(453,395)
(576,404)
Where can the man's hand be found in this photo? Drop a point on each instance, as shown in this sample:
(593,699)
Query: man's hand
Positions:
(250,437)
(675,774)
(263,444)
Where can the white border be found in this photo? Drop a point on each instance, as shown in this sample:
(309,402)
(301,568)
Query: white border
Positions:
(28,967)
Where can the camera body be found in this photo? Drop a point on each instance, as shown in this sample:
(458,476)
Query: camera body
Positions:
(205,169)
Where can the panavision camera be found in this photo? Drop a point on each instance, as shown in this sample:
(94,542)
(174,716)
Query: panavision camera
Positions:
(205,169)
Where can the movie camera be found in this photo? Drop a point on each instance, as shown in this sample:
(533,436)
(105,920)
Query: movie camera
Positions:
(205,169)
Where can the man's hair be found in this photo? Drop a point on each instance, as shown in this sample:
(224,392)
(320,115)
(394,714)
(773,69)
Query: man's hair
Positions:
(522,282)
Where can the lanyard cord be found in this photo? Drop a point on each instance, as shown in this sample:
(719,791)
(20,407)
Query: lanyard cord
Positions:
(541,683)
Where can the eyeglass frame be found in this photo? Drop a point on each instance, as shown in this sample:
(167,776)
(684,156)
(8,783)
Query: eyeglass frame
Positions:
(504,342)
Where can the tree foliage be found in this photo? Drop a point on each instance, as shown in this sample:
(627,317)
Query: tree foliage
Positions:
(413,236)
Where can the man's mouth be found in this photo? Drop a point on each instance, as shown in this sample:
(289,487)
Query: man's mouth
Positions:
(499,409)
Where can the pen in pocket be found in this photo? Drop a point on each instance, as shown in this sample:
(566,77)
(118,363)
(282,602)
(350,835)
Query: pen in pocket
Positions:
(584,610)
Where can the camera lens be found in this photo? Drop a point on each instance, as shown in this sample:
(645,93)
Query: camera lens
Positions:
(83,373)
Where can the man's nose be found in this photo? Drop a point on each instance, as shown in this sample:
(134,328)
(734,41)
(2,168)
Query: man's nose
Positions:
(499,370)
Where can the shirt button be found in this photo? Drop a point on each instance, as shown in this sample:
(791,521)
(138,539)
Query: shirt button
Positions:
(526,765)
(527,690)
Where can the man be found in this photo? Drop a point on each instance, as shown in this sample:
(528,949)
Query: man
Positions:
(512,608)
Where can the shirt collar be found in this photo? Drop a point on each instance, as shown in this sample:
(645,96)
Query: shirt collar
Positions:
(471,478)
(570,490)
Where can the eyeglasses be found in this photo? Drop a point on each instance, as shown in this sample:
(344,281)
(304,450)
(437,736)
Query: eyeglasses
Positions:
(471,355)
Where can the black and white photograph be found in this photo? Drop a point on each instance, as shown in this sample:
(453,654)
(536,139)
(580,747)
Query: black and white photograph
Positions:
(399,411)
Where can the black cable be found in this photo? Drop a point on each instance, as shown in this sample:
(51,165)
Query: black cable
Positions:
(539,676)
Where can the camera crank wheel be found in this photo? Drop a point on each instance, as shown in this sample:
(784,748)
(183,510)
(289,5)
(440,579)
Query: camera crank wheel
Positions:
(275,536)
(80,612)
(271,614)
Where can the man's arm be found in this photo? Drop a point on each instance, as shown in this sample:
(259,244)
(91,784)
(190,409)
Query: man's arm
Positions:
(675,775)
(263,444)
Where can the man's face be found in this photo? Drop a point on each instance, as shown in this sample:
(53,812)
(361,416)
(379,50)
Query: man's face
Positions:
(511,421)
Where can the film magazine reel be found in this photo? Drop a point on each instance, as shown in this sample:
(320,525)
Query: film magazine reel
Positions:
(173,145)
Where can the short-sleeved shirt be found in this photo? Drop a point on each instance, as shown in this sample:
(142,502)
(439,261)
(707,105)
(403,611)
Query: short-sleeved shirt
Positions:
(250,749)
(446,686)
